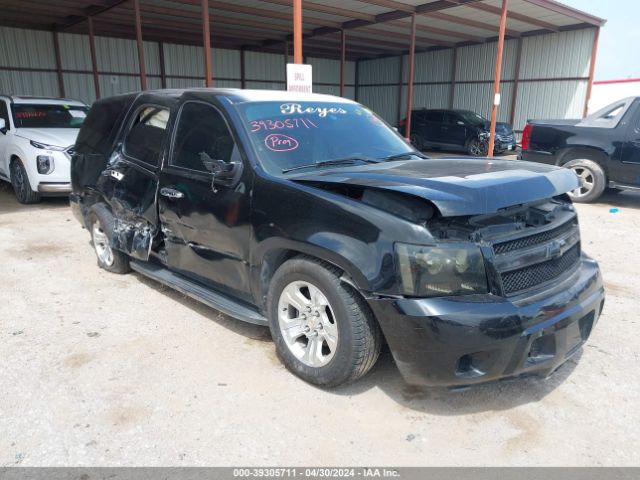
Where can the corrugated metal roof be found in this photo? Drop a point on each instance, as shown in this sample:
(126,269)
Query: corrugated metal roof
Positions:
(265,24)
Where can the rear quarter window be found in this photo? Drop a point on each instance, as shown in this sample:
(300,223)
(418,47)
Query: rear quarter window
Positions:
(101,125)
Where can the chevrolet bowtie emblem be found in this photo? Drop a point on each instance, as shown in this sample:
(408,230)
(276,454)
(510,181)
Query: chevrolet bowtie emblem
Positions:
(554,248)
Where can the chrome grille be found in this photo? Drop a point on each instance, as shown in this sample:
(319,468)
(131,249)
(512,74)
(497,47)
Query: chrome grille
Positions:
(70,151)
(540,273)
(531,240)
(504,138)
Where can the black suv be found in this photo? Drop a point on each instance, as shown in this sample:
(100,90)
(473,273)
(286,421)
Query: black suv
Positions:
(461,130)
(309,214)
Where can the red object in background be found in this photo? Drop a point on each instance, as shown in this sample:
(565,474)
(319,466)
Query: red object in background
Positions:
(402,123)
(526,136)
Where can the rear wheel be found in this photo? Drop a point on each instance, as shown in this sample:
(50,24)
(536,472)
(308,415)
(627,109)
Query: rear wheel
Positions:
(416,141)
(323,330)
(101,228)
(592,180)
(21,185)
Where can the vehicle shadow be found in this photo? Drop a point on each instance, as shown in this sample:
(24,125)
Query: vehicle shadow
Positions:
(244,329)
(493,396)
(626,199)
(385,376)
(9,204)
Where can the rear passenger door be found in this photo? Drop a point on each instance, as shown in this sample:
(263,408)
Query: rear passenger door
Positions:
(130,180)
(628,171)
(453,130)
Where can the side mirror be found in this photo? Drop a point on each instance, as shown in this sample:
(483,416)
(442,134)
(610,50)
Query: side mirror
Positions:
(3,126)
(225,174)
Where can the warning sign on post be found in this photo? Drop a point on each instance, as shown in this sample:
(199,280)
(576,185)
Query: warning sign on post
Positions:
(298,78)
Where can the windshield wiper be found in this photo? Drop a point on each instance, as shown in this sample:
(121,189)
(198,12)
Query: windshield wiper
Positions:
(400,156)
(333,161)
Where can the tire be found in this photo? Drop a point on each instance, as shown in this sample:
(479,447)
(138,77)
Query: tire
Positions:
(477,148)
(20,183)
(417,142)
(593,179)
(343,316)
(100,223)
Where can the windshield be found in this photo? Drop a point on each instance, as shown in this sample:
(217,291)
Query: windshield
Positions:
(48,116)
(289,135)
(472,117)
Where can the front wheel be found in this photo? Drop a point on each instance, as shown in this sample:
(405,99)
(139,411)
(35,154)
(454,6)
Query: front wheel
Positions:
(21,186)
(478,148)
(323,329)
(592,180)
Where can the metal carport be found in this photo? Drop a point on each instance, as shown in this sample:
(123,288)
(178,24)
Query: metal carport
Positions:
(362,49)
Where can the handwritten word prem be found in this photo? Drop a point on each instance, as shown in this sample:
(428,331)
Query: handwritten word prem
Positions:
(292,108)
(289,123)
(278,142)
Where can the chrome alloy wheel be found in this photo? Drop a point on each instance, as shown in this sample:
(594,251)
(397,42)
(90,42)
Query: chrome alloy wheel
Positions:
(586,182)
(478,148)
(307,324)
(101,244)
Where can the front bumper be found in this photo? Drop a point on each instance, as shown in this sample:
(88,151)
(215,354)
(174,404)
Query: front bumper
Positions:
(506,146)
(459,341)
(54,188)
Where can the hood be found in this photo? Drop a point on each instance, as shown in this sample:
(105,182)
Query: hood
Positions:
(57,137)
(502,128)
(457,186)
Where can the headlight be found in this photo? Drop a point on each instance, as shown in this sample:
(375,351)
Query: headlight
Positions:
(44,146)
(441,271)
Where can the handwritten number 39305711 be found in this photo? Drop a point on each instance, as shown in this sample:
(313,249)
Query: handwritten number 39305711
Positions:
(286,124)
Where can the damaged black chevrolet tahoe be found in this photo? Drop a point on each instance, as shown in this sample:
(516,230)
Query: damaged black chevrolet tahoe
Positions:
(310,215)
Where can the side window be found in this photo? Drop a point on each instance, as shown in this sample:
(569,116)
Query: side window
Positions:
(434,116)
(146,135)
(451,118)
(4,114)
(202,136)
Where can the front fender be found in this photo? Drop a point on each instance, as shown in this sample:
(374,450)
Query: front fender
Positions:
(327,247)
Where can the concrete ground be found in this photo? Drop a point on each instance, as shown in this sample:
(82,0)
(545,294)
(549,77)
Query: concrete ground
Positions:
(101,369)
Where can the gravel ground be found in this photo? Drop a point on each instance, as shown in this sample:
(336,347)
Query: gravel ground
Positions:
(101,369)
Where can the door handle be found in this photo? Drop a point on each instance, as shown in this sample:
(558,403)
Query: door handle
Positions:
(113,173)
(171,193)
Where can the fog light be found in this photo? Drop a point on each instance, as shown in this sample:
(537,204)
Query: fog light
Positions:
(45,164)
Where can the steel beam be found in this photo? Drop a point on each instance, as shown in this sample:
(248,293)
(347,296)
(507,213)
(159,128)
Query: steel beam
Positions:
(496,78)
(56,49)
(297,31)
(94,61)
(206,43)
(592,69)
(140,45)
(343,56)
(412,61)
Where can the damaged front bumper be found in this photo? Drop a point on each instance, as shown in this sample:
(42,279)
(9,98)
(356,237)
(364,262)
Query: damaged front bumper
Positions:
(465,340)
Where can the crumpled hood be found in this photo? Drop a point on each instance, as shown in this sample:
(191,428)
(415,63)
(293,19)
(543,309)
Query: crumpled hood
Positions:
(57,137)
(457,186)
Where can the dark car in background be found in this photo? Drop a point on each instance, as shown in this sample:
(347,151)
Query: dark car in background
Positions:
(603,149)
(457,130)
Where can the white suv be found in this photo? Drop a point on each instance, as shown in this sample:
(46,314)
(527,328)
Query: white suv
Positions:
(36,142)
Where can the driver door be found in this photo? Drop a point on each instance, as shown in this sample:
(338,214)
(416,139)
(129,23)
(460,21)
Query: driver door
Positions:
(4,138)
(206,226)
